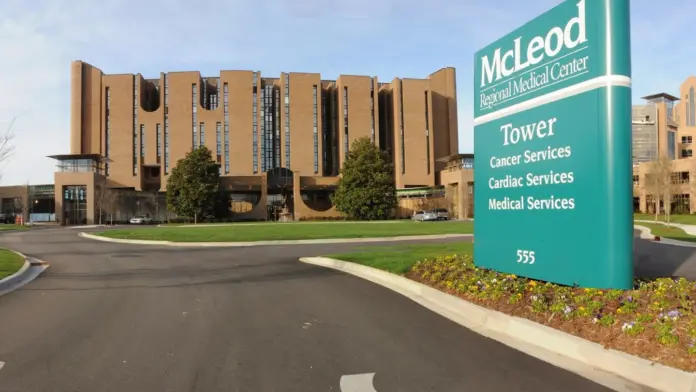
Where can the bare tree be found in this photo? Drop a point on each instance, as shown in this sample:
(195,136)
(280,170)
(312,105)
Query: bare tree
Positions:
(660,184)
(7,147)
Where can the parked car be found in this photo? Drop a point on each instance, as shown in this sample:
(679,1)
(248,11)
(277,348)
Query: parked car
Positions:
(141,220)
(442,213)
(424,216)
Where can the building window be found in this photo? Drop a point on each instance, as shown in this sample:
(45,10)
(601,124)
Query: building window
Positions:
(345,124)
(315,132)
(166,124)
(107,136)
(688,153)
(268,141)
(255,126)
(686,139)
(372,107)
(427,134)
(142,141)
(691,109)
(218,142)
(401,127)
(287,120)
(227,129)
(135,125)
(202,134)
(671,145)
(276,136)
(194,107)
(158,128)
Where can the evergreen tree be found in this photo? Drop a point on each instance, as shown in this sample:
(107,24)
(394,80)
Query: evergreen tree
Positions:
(193,185)
(366,188)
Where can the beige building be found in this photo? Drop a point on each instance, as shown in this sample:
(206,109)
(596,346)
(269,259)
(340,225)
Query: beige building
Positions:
(280,141)
(666,127)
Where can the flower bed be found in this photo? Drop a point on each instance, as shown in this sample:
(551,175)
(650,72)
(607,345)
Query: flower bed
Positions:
(655,320)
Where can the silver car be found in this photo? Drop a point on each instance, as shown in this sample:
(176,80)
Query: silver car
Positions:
(424,216)
(442,213)
(141,220)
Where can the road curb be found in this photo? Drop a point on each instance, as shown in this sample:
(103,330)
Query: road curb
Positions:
(538,340)
(646,234)
(268,243)
(21,277)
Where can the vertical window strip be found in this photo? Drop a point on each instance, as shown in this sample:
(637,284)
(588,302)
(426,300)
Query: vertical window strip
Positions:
(372,106)
(401,127)
(276,136)
(194,108)
(254,130)
(142,142)
(315,132)
(427,134)
(202,135)
(166,124)
(218,141)
(107,137)
(346,145)
(159,140)
(135,125)
(227,127)
(287,120)
(263,129)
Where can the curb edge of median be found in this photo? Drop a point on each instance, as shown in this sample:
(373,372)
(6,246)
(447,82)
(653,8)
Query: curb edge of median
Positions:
(511,329)
(646,234)
(23,276)
(271,243)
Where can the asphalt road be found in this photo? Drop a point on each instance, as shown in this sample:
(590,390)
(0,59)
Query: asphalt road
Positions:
(110,317)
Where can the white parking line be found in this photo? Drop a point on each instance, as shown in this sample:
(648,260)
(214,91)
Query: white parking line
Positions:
(358,383)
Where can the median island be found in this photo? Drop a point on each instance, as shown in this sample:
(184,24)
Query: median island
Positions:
(289,231)
(656,320)
(10,263)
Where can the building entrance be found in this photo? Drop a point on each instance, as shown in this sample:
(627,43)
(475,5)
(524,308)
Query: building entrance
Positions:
(75,204)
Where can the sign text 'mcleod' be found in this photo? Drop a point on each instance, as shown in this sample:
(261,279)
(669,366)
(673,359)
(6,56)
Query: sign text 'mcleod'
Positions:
(537,49)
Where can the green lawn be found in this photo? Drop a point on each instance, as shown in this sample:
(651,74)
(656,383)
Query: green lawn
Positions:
(665,231)
(290,231)
(683,219)
(10,263)
(13,227)
(400,259)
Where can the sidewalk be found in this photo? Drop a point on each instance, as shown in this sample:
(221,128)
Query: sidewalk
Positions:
(688,229)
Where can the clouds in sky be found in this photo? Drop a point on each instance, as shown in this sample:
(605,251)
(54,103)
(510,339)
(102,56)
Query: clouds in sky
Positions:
(385,38)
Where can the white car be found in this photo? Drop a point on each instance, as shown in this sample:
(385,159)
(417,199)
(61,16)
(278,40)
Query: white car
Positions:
(140,220)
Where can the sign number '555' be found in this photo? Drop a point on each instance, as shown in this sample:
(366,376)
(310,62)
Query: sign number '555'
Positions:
(525,256)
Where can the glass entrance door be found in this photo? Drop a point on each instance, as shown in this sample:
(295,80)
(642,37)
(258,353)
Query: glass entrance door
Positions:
(75,204)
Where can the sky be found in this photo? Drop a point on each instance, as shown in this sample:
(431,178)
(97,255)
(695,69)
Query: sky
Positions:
(383,38)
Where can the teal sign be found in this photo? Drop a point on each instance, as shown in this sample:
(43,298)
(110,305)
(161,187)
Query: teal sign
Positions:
(552,143)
